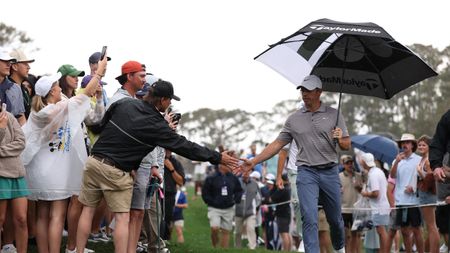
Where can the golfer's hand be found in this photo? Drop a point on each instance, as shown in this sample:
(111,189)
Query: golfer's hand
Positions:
(336,133)
(280,184)
(155,173)
(245,166)
(229,161)
(439,174)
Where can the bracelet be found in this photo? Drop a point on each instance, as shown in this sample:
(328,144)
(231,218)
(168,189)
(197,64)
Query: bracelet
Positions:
(171,171)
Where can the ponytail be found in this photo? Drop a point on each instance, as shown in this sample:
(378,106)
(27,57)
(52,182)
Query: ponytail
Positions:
(38,103)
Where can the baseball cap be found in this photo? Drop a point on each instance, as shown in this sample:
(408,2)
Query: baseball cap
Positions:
(255,174)
(270,176)
(311,82)
(346,158)
(95,57)
(143,91)
(164,89)
(131,67)
(19,55)
(69,70)
(45,83)
(86,79)
(368,159)
(4,56)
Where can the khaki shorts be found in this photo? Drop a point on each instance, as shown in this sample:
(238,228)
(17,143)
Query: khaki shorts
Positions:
(323,223)
(102,180)
(222,218)
(179,223)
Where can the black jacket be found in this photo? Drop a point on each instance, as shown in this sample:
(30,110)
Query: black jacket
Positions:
(132,128)
(212,190)
(170,185)
(441,141)
(280,196)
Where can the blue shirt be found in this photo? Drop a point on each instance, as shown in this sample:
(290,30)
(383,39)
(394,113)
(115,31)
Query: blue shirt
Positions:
(407,176)
(11,95)
(178,212)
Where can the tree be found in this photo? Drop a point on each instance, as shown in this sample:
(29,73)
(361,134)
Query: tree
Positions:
(10,36)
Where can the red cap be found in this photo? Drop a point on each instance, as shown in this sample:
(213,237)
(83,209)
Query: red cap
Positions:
(132,66)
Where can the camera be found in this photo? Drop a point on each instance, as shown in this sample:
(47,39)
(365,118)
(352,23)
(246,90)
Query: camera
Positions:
(176,117)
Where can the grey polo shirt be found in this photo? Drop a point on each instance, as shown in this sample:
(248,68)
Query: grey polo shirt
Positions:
(15,97)
(312,133)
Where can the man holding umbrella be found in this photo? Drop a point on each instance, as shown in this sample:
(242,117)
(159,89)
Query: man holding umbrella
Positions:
(314,130)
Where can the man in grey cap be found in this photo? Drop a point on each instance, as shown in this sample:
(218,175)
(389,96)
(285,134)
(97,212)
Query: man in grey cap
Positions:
(313,129)
(19,73)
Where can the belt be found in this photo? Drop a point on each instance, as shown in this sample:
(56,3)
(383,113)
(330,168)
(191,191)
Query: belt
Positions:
(104,160)
(324,166)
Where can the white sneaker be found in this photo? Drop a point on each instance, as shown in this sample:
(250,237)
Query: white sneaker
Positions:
(9,248)
(443,248)
(75,250)
(340,251)
(301,247)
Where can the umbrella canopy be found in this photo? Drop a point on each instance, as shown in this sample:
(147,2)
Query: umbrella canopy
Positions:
(354,58)
(382,148)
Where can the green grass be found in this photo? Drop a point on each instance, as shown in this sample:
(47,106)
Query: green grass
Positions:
(196,233)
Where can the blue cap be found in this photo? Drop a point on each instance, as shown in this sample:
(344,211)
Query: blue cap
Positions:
(86,80)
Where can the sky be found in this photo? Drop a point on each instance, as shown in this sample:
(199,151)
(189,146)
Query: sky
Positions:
(205,48)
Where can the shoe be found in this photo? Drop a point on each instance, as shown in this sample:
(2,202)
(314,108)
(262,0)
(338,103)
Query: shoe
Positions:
(75,250)
(340,250)
(9,248)
(414,248)
(301,247)
(260,241)
(98,237)
(443,248)
(65,233)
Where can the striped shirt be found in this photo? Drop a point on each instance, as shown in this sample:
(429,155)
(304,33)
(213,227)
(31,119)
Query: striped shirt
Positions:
(312,133)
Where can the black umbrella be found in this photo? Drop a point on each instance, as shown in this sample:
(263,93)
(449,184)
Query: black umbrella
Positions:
(354,58)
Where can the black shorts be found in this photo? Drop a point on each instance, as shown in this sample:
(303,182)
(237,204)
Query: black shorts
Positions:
(283,224)
(408,217)
(443,218)
(348,219)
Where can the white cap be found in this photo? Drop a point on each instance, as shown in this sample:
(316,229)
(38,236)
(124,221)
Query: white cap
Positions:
(4,55)
(270,176)
(255,174)
(20,56)
(45,83)
(311,82)
(150,79)
(368,159)
(269,182)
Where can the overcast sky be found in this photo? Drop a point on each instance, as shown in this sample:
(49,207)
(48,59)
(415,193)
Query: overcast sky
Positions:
(205,48)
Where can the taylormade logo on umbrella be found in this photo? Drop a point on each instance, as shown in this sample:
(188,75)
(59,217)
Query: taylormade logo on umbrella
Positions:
(369,83)
(343,29)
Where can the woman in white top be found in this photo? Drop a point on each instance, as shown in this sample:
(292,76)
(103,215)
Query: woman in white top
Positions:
(55,153)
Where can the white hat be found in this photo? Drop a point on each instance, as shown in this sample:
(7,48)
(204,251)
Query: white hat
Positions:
(20,56)
(4,55)
(311,82)
(45,83)
(270,176)
(150,79)
(255,174)
(269,182)
(368,159)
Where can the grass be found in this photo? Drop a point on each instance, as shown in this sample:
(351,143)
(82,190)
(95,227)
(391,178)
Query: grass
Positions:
(196,233)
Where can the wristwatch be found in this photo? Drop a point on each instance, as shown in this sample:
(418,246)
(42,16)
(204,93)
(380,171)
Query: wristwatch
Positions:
(171,171)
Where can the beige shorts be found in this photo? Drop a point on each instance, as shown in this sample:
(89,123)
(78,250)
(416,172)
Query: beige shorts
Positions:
(222,218)
(323,223)
(179,223)
(102,180)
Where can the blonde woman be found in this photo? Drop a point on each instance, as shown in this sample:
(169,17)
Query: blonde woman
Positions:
(55,153)
(12,182)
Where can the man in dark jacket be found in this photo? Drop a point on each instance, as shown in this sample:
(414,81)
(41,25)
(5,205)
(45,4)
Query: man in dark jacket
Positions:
(131,129)
(282,197)
(221,191)
(173,176)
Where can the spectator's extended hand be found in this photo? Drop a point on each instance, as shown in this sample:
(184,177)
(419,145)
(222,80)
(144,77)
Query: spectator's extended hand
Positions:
(245,166)
(229,161)
(439,174)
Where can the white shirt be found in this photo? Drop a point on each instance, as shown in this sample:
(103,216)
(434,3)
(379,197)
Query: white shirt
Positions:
(377,182)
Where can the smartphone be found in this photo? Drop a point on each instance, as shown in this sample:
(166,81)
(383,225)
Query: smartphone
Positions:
(176,117)
(103,52)
(3,107)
